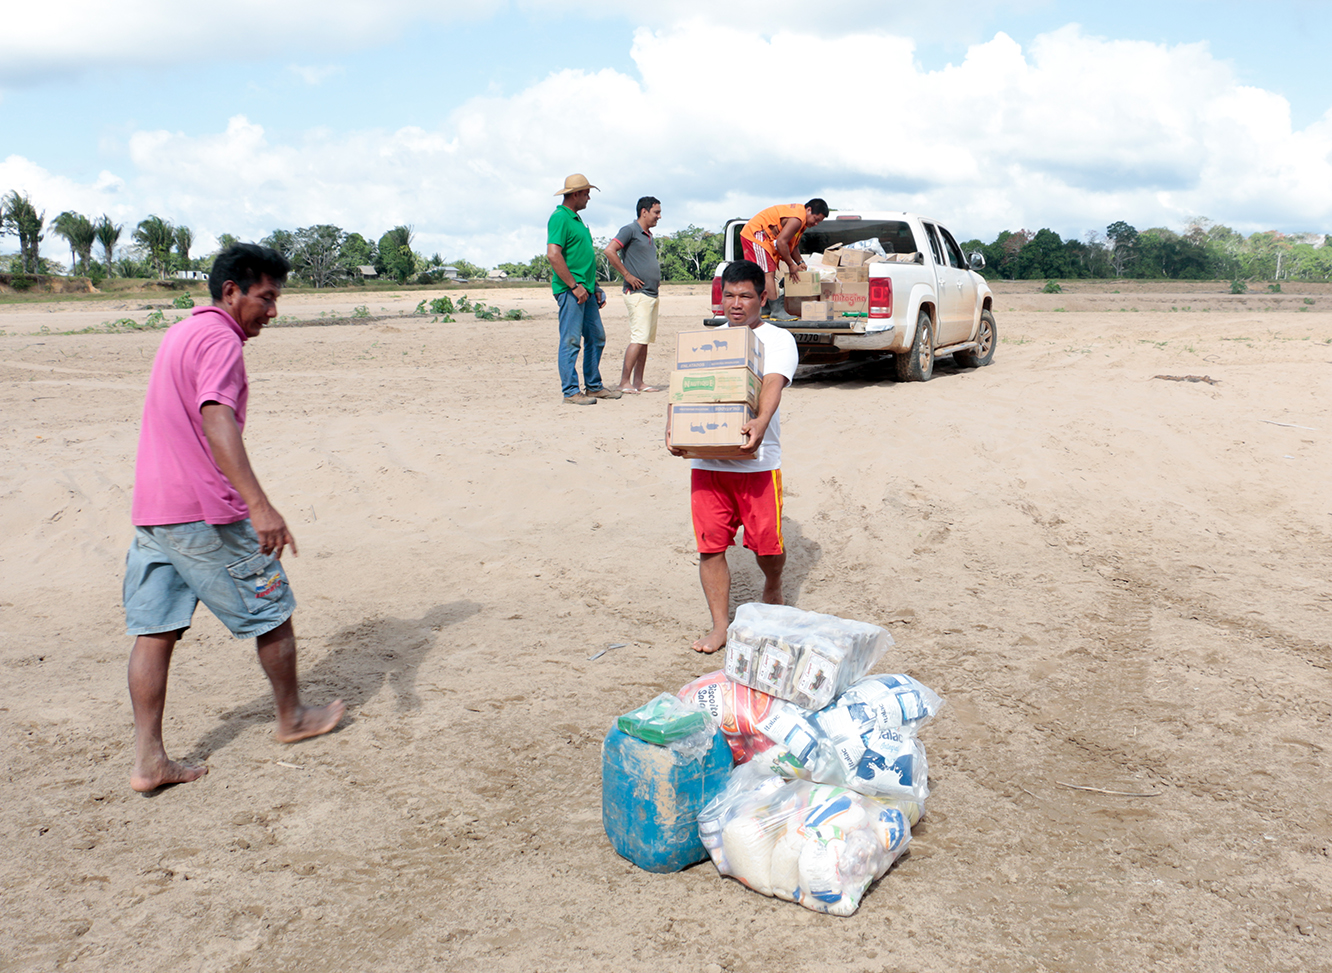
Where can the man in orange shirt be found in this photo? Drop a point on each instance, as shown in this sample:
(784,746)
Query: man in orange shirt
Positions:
(774,235)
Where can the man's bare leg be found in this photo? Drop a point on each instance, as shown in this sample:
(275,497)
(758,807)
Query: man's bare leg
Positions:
(277,654)
(715,574)
(772,565)
(635,358)
(149,663)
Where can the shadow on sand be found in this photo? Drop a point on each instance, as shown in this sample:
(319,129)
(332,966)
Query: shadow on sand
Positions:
(747,580)
(362,658)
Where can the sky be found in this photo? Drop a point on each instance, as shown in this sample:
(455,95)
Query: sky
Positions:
(462,119)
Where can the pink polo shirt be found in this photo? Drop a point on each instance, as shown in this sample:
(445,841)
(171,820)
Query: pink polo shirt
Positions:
(176,480)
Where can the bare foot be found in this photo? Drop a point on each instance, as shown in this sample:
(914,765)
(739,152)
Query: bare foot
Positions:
(711,642)
(310,721)
(160,773)
(772,594)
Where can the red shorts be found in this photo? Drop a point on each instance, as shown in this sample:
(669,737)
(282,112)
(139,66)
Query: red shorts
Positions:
(755,252)
(723,502)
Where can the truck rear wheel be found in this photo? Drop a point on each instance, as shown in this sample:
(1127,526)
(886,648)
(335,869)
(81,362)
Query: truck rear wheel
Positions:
(917,365)
(986,338)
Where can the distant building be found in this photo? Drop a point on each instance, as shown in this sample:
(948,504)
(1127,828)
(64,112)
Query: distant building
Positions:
(191,275)
(366,270)
(497,275)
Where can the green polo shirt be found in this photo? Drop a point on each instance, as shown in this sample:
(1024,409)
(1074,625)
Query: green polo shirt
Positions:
(567,231)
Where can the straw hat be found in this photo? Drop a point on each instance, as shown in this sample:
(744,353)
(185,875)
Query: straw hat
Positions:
(576,184)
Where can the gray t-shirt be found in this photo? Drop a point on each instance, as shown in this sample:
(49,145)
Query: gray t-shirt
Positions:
(638,251)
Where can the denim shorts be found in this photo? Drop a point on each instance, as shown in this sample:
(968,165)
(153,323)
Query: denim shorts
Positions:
(170,569)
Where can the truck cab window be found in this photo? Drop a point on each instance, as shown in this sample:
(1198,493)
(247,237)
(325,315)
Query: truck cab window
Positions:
(934,243)
(955,258)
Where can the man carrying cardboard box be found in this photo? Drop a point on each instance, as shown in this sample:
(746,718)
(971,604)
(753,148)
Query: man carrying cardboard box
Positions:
(727,494)
(774,235)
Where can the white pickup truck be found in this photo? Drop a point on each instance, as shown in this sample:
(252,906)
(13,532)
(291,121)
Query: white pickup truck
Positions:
(931,305)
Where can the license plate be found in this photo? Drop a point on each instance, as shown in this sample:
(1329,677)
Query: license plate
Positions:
(812,339)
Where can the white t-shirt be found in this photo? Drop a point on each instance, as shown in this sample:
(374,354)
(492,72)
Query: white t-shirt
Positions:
(780,356)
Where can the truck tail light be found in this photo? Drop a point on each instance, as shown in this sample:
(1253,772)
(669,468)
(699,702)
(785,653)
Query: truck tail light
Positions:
(880,297)
(717,295)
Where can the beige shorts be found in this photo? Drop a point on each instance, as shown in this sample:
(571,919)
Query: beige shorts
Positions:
(642,318)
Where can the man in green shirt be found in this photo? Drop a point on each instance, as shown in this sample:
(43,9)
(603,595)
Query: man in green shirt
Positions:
(573,262)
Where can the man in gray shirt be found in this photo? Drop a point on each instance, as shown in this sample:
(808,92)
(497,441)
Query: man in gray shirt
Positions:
(633,253)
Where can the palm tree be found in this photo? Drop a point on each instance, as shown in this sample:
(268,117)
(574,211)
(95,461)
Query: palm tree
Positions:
(184,240)
(19,217)
(107,235)
(157,236)
(70,225)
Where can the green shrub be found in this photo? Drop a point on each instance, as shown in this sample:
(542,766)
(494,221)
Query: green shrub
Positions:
(1308,300)
(183,301)
(441,305)
(1052,287)
(516,314)
(1238,287)
(1274,288)
(360,311)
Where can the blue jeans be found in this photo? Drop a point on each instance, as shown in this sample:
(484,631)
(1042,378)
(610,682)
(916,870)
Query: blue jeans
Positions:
(580,323)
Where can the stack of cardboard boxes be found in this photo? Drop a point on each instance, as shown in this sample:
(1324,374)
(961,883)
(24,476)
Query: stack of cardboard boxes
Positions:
(837,283)
(714,391)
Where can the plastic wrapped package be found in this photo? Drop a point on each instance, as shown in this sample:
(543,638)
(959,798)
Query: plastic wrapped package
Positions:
(804,657)
(669,721)
(660,764)
(736,709)
(865,740)
(814,844)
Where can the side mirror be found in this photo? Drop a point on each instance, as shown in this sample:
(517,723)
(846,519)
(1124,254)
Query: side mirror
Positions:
(977,260)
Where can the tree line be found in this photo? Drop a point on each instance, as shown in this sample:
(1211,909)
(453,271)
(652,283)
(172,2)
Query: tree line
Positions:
(1204,251)
(325,255)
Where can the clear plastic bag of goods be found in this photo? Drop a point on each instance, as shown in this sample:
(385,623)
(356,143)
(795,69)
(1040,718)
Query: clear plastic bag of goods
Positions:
(736,709)
(669,721)
(805,657)
(865,739)
(660,764)
(818,845)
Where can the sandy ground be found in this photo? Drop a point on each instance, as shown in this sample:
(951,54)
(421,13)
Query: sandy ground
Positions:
(1117,581)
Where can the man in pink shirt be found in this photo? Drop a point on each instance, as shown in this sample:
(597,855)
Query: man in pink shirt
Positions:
(204,528)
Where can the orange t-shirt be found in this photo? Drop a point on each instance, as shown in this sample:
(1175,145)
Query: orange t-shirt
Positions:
(769,223)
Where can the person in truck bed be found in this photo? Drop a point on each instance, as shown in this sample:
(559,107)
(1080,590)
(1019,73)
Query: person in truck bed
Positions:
(774,235)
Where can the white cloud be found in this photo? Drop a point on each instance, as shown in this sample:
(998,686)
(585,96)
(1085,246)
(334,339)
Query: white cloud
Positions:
(49,40)
(1073,134)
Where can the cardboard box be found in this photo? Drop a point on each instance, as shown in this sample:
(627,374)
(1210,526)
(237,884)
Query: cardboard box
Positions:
(710,430)
(854,258)
(806,286)
(816,311)
(719,348)
(853,275)
(701,385)
(850,297)
(831,256)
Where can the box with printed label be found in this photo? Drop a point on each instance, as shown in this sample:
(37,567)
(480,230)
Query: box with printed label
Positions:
(710,430)
(831,255)
(853,275)
(715,385)
(854,258)
(806,286)
(816,311)
(719,348)
(850,297)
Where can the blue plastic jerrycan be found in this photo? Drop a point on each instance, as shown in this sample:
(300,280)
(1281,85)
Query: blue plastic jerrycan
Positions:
(651,796)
